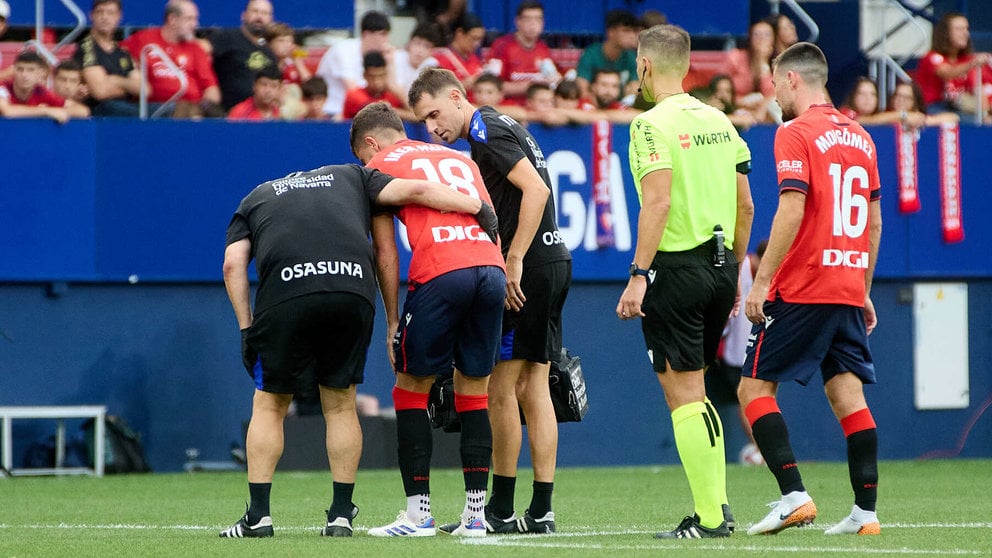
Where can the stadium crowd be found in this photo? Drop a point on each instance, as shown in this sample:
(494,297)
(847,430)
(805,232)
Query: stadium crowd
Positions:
(263,67)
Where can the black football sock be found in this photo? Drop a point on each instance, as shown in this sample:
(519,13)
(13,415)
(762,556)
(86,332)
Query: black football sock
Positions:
(259,507)
(501,502)
(540,502)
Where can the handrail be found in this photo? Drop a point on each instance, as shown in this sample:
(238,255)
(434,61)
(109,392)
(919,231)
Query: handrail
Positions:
(911,16)
(143,90)
(884,70)
(78,29)
(803,15)
(979,97)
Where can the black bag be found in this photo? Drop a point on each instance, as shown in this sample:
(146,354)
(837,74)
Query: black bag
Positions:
(122,449)
(441,405)
(568,387)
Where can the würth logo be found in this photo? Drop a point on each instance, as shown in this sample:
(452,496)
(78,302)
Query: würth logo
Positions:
(684,141)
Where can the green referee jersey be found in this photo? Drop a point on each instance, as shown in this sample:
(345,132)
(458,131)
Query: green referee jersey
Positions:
(704,151)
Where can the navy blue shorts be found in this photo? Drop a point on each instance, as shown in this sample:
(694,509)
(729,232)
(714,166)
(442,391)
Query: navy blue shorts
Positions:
(330,330)
(796,339)
(453,318)
(534,333)
(686,307)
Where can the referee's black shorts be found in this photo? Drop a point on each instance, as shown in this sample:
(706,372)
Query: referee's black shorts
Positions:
(331,330)
(686,307)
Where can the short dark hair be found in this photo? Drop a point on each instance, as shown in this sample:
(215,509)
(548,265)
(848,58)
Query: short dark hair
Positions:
(269,72)
(432,81)
(428,31)
(621,18)
(69,65)
(490,78)
(278,29)
(807,60)
(313,87)
(568,89)
(372,117)
(31,57)
(601,71)
(373,59)
(529,5)
(102,2)
(467,22)
(535,87)
(375,21)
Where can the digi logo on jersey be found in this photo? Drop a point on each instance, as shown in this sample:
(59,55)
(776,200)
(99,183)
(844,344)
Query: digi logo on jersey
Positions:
(450,234)
(307,269)
(833,257)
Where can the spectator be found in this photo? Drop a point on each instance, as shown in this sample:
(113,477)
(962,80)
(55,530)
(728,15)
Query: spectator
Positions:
(264,102)
(239,54)
(408,62)
(723,96)
(521,57)
(460,56)
(567,95)
(314,94)
(488,90)
(540,106)
(947,74)
(751,71)
(290,61)
(26,97)
(785,32)
(109,72)
(177,37)
(907,101)
(68,82)
(5,73)
(341,66)
(290,58)
(376,88)
(442,12)
(617,52)
(604,91)
(650,18)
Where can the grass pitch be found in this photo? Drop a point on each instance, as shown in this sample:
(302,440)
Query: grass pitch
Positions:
(927,508)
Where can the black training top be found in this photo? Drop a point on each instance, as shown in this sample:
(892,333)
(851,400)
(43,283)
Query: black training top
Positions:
(237,60)
(498,143)
(309,233)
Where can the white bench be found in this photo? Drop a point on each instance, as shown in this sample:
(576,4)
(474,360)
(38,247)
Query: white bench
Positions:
(59,413)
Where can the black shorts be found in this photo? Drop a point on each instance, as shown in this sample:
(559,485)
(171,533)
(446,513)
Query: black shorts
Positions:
(686,306)
(534,333)
(722,381)
(454,317)
(796,339)
(332,331)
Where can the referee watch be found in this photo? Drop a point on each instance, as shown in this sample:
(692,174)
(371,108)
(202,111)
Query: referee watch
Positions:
(635,271)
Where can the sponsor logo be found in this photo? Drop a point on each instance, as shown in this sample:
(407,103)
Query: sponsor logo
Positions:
(453,233)
(713,138)
(684,141)
(307,269)
(550,238)
(297,182)
(790,166)
(833,257)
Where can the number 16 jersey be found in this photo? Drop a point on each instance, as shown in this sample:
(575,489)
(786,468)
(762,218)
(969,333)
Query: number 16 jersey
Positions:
(832,160)
(441,242)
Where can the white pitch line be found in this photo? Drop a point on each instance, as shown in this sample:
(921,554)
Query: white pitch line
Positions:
(502,541)
(574,531)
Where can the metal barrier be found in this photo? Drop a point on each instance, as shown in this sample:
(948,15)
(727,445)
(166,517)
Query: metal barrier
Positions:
(883,68)
(58,413)
(39,22)
(143,91)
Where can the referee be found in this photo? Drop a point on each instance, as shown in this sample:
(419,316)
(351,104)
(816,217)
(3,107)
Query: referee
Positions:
(309,236)
(690,169)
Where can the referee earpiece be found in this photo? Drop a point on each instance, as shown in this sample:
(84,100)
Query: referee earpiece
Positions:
(641,83)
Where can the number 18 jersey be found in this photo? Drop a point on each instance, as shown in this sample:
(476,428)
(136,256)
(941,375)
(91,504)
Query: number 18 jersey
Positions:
(832,160)
(441,242)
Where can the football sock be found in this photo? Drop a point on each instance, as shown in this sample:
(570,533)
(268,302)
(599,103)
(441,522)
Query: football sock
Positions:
(501,502)
(476,445)
(418,507)
(862,457)
(700,446)
(540,502)
(722,466)
(259,507)
(772,438)
(475,501)
(341,505)
(415,443)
